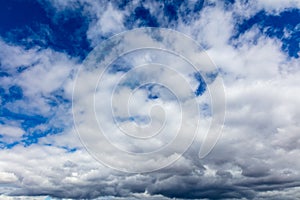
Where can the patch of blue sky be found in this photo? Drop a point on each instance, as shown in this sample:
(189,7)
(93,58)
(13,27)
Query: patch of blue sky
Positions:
(69,149)
(32,137)
(66,148)
(157,91)
(30,124)
(14,93)
(198,6)
(152,90)
(152,95)
(30,23)
(120,65)
(228,3)
(211,76)
(3,95)
(57,98)
(202,84)
(205,110)
(3,73)
(140,17)
(139,119)
(22,68)
(172,11)
(284,26)
(27,121)
(187,11)
(131,82)
(48,198)
(7,145)
(121,4)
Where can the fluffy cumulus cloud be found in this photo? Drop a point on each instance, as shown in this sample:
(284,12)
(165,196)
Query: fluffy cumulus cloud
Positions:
(46,48)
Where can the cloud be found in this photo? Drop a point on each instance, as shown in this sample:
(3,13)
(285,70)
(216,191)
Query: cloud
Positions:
(36,91)
(277,6)
(109,21)
(10,133)
(8,178)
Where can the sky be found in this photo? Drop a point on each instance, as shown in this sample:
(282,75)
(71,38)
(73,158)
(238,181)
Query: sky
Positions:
(149,99)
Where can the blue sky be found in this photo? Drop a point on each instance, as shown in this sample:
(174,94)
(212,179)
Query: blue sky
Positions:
(255,46)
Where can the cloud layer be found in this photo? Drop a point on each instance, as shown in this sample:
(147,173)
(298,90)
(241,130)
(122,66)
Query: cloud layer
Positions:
(256,49)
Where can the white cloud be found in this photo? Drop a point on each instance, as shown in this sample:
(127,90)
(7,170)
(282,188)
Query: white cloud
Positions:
(11,131)
(7,177)
(109,22)
(248,9)
(47,71)
(10,134)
